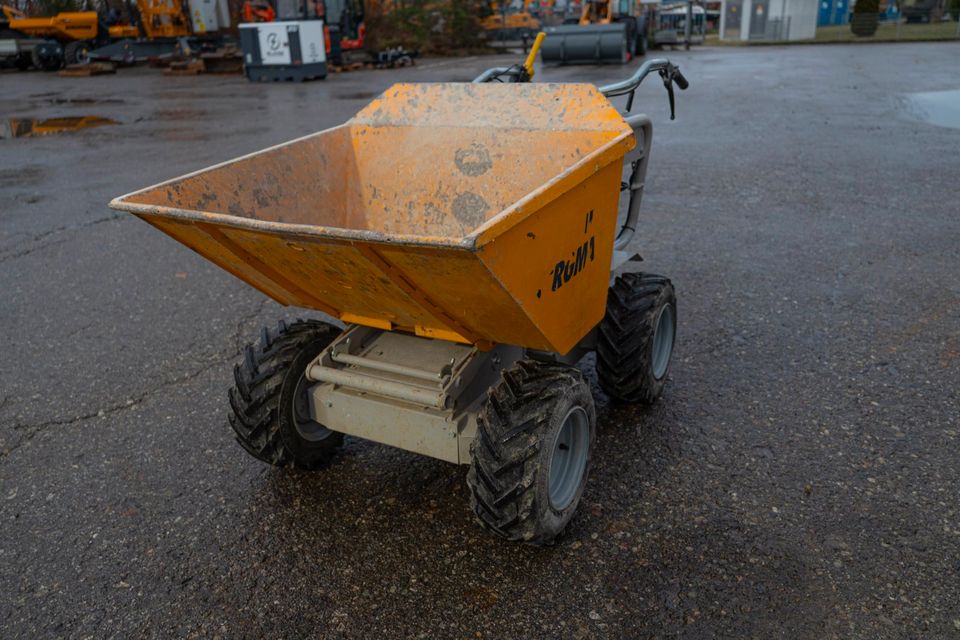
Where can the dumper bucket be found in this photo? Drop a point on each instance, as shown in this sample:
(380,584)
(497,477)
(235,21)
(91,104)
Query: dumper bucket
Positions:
(480,213)
(586,44)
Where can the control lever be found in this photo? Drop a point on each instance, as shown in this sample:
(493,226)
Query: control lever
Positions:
(671,74)
(668,83)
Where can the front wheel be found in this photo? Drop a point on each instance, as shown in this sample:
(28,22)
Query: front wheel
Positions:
(531,455)
(270,409)
(47,56)
(636,337)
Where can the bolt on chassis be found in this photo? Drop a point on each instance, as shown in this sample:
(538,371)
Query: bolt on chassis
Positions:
(466,234)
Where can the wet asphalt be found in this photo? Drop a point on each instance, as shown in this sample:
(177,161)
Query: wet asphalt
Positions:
(799,479)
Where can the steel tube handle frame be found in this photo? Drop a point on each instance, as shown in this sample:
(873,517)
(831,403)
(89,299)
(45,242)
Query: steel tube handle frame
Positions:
(630,84)
(669,73)
(643,130)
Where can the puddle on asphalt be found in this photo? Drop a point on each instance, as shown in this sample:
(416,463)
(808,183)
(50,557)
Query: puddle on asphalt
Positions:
(33,127)
(941,108)
(85,101)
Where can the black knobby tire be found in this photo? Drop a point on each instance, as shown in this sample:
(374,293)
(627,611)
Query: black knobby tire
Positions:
(268,411)
(628,337)
(518,429)
(77,52)
(47,56)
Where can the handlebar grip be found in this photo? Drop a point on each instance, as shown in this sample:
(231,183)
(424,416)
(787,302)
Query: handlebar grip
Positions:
(680,80)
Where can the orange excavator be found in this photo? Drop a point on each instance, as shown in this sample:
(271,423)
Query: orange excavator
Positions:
(258,11)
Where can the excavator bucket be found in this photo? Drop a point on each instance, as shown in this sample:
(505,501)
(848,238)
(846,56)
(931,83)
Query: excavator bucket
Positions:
(586,44)
(478,213)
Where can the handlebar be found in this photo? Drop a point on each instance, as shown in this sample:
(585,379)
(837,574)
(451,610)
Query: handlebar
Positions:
(668,71)
(631,83)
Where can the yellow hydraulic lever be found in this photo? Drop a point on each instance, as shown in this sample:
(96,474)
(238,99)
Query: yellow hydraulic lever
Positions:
(528,65)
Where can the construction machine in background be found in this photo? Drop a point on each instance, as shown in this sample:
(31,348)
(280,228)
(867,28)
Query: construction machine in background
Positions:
(156,28)
(345,30)
(511,20)
(46,42)
(165,28)
(607,31)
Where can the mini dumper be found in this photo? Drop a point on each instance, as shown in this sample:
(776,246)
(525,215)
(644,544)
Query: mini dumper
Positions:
(466,234)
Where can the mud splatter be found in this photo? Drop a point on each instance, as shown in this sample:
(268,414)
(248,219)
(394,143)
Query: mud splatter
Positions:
(470,209)
(474,160)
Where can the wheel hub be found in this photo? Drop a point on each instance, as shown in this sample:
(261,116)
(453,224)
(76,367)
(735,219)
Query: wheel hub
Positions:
(568,462)
(663,341)
(306,426)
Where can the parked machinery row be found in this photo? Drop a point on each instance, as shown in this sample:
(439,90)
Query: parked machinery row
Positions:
(149,28)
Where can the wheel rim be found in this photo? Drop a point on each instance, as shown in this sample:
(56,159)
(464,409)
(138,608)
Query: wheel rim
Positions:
(306,426)
(568,462)
(663,341)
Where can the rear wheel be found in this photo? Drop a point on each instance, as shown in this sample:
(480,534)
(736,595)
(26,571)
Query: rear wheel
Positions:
(531,454)
(77,52)
(636,337)
(270,409)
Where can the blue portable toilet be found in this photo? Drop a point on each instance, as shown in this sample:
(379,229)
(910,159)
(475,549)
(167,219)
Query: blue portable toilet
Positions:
(833,12)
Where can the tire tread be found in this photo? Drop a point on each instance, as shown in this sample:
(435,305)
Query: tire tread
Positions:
(259,377)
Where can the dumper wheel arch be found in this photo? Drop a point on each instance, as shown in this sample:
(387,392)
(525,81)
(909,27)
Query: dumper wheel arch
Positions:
(268,399)
(531,455)
(636,337)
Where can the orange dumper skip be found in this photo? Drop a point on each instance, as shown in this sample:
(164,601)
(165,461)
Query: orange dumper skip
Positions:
(465,235)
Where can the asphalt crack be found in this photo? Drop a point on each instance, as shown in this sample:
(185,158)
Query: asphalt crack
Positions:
(31,430)
(52,243)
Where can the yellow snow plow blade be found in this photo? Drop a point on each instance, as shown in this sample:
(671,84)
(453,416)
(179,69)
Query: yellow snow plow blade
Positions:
(480,213)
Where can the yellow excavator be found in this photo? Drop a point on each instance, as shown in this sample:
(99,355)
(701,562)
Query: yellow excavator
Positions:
(44,42)
(511,20)
(76,37)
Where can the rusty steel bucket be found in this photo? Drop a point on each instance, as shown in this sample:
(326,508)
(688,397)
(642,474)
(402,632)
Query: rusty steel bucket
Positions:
(479,213)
